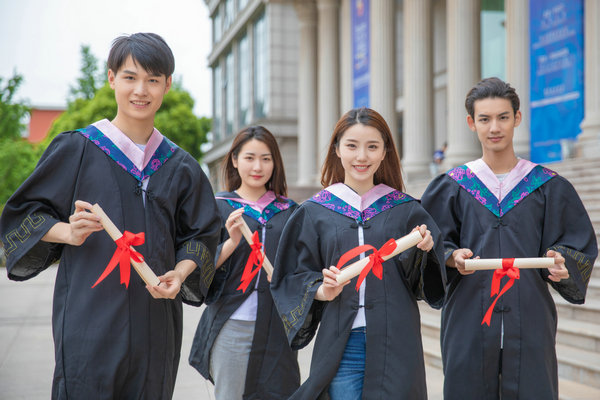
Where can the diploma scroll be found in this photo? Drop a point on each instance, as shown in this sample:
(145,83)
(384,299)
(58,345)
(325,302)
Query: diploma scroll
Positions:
(496,263)
(247,233)
(404,243)
(141,268)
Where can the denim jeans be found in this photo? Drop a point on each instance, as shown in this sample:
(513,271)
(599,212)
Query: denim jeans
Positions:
(348,382)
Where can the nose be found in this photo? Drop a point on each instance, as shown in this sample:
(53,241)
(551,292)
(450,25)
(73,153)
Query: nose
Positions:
(495,126)
(257,165)
(140,88)
(361,154)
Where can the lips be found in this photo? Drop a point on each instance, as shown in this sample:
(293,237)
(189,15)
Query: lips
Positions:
(140,103)
(361,168)
(495,139)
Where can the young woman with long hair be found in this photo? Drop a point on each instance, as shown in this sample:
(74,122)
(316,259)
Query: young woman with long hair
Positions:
(240,343)
(368,343)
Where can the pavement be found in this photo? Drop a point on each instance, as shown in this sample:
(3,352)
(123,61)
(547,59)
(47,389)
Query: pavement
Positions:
(27,350)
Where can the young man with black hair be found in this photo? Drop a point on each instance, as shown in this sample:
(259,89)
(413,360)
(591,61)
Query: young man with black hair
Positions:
(500,206)
(113,342)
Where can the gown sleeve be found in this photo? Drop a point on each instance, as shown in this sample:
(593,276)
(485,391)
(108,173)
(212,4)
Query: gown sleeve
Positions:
(425,271)
(439,201)
(569,231)
(44,199)
(296,277)
(197,232)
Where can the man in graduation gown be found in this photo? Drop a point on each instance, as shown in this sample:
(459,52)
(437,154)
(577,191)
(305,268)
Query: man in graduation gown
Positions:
(500,206)
(117,341)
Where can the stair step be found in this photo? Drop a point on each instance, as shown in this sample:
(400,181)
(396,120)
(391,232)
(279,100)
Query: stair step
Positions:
(588,312)
(570,390)
(578,365)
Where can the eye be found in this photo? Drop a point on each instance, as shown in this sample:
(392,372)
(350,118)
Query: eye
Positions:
(351,145)
(129,77)
(373,147)
(267,159)
(483,120)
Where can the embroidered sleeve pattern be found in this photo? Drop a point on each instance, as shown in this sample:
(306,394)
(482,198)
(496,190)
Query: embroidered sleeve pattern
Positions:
(20,235)
(291,319)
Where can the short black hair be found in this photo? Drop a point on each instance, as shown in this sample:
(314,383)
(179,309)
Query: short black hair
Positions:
(148,49)
(490,88)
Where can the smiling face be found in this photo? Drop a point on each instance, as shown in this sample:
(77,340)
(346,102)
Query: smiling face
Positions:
(254,164)
(138,93)
(361,151)
(494,121)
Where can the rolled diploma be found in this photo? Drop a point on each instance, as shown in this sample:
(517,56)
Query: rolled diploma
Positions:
(404,243)
(247,233)
(142,268)
(496,263)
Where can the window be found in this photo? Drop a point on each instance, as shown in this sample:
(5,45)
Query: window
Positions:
(261,73)
(217,102)
(243,95)
(229,93)
(242,4)
(493,39)
(229,14)
(217,26)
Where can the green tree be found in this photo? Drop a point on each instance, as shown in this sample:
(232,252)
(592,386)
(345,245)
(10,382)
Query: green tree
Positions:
(11,112)
(17,156)
(90,80)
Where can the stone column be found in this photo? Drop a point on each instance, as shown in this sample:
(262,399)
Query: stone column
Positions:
(328,75)
(517,67)
(464,71)
(418,88)
(346,91)
(307,93)
(588,142)
(382,91)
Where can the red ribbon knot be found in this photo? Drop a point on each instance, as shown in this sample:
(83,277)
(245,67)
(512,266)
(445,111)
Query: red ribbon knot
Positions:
(375,259)
(507,270)
(256,258)
(123,255)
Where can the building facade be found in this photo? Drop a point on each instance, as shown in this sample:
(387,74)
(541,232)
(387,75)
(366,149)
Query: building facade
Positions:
(290,65)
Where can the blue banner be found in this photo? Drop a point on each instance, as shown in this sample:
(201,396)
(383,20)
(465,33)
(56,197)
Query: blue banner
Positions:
(360,52)
(557,80)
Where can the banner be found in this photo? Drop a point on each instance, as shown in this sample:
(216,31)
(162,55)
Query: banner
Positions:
(360,52)
(557,80)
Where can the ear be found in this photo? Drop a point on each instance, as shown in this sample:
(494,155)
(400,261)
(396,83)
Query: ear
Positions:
(169,83)
(471,123)
(234,162)
(518,118)
(111,78)
(337,150)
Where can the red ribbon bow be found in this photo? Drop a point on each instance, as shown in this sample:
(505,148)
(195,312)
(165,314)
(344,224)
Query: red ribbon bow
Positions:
(507,270)
(256,258)
(122,256)
(375,259)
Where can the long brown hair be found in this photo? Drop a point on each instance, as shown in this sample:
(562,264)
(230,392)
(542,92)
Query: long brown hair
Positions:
(231,175)
(388,172)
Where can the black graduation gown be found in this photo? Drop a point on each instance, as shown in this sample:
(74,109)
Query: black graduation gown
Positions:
(316,236)
(542,212)
(112,342)
(273,372)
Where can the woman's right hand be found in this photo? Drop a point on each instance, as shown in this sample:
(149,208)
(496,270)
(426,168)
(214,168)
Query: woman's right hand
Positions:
(233,225)
(330,288)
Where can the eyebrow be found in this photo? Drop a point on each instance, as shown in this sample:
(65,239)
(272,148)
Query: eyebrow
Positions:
(370,141)
(486,115)
(126,71)
(249,153)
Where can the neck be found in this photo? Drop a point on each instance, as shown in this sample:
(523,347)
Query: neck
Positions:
(250,193)
(359,187)
(501,163)
(138,131)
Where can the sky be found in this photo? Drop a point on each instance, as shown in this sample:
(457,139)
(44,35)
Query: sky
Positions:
(41,40)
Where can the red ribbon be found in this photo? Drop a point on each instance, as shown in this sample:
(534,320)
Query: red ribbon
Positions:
(122,256)
(256,258)
(507,270)
(375,259)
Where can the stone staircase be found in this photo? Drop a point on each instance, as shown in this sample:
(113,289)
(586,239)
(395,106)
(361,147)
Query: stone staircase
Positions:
(578,336)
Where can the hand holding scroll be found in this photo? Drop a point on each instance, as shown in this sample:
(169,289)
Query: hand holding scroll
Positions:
(330,288)
(558,271)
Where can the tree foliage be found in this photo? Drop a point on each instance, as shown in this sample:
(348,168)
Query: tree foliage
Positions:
(17,156)
(11,112)
(90,80)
